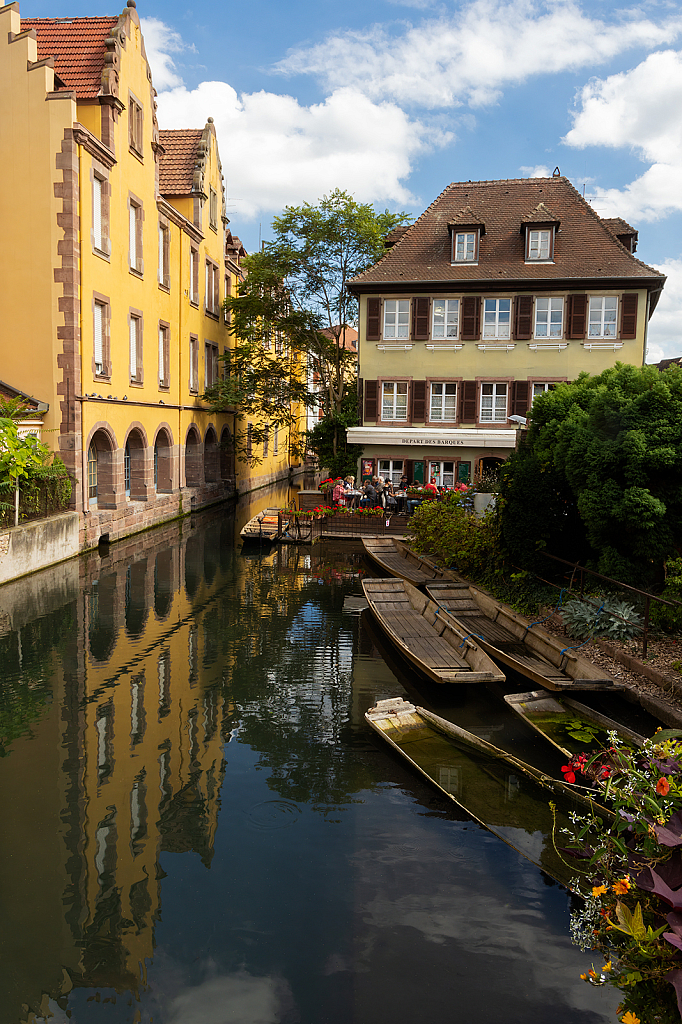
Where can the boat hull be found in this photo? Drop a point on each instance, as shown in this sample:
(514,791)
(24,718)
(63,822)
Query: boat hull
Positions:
(396,558)
(556,717)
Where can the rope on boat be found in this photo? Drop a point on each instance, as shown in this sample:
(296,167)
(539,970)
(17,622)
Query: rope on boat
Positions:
(553,612)
(477,635)
(578,646)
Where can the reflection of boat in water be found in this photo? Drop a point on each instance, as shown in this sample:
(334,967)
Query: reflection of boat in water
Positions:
(397,559)
(507,796)
(568,725)
(511,639)
(438,649)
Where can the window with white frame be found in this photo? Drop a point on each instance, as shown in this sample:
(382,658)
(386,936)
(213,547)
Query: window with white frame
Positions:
(603,312)
(549,318)
(396,319)
(193,363)
(100,214)
(135,349)
(541,386)
(135,236)
(465,247)
(391,469)
(445,318)
(539,244)
(443,473)
(210,365)
(496,318)
(194,275)
(394,400)
(212,287)
(164,355)
(493,402)
(443,403)
(164,256)
(101,338)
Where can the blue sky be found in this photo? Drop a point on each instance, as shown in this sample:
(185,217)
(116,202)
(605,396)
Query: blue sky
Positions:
(394,100)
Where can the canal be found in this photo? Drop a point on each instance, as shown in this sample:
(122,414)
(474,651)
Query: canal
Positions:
(197,827)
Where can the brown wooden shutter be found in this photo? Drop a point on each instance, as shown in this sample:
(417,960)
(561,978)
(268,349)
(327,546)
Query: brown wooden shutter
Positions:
(139,369)
(467,405)
(373,319)
(520,398)
(166,257)
(471,317)
(523,317)
(419,400)
(360,400)
(371,400)
(577,316)
(407,469)
(628,315)
(420,319)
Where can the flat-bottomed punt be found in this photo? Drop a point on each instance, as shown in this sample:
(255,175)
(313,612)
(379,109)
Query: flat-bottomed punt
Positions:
(507,796)
(566,723)
(263,527)
(437,647)
(514,641)
(395,557)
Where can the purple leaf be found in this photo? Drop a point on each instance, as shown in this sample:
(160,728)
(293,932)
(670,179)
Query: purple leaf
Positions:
(674,919)
(669,766)
(675,979)
(624,814)
(673,939)
(670,834)
(651,881)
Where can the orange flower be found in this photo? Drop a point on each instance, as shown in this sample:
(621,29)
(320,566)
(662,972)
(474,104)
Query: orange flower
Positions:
(621,886)
(598,890)
(663,787)
(630,1018)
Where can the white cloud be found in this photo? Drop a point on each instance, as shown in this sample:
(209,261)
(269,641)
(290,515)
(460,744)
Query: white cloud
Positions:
(237,998)
(640,109)
(665,337)
(277,152)
(160,42)
(539,171)
(467,57)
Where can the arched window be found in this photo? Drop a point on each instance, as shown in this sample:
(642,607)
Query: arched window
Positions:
(92,475)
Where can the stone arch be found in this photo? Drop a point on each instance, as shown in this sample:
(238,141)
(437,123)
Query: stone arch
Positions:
(102,469)
(211,459)
(163,459)
(226,454)
(194,469)
(135,449)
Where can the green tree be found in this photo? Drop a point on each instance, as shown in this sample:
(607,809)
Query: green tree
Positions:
(295,294)
(599,476)
(20,457)
(327,439)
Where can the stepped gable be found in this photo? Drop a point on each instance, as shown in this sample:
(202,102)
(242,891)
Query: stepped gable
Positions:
(585,248)
(78,48)
(179,161)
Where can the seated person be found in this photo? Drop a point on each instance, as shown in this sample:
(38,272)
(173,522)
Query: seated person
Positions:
(404,483)
(339,494)
(369,495)
(378,482)
(431,486)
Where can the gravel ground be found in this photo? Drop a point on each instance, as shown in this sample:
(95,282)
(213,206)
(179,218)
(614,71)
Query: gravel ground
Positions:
(662,653)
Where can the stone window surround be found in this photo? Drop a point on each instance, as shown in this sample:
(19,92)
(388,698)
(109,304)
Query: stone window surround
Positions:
(498,379)
(402,379)
(135,126)
(136,203)
(442,380)
(136,314)
(164,382)
(101,172)
(103,301)
(164,257)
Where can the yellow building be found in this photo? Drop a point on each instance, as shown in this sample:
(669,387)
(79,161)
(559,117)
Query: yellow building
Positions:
(115,259)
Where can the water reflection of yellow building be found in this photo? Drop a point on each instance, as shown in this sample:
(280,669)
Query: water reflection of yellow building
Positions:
(126,766)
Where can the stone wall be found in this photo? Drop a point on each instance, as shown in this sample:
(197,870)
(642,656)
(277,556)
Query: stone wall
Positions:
(31,546)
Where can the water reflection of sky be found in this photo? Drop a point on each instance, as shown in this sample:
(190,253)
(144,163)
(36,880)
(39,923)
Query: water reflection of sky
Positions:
(296,873)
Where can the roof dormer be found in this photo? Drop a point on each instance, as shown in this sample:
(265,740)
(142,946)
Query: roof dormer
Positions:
(466,230)
(539,228)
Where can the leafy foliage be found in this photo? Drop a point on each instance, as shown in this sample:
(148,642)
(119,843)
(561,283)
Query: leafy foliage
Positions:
(661,615)
(327,439)
(601,617)
(446,530)
(27,465)
(605,457)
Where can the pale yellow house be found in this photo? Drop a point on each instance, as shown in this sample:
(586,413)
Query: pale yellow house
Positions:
(115,260)
(499,291)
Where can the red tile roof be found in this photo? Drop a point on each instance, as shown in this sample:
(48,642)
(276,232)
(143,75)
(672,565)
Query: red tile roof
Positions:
(176,170)
(584,246)
(77,44)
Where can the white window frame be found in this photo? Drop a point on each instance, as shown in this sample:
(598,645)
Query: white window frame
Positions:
(433,398)
(465,247)
(445,319)
(193,365)
(97,213)
(389,400)
(539,245)
(135,237)
(541,387)
(438,470)
(135,334)
(549,318)
(493,401)
(99,315)
(164,255)
(496,320)
(396,319)
(598,324)
(391,469)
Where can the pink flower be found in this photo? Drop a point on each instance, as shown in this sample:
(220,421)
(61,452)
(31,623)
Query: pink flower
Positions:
(569,774)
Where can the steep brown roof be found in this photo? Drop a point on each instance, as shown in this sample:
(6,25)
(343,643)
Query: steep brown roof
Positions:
(618,226)
(77,45)
(584,247)
(176,169)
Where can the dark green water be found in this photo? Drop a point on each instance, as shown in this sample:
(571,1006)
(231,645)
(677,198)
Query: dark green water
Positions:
(198,827)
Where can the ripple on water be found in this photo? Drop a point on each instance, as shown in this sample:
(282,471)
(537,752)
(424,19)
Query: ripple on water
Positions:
(271,814)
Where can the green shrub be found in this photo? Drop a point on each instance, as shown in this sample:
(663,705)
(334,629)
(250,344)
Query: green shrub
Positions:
(455,537)
(662,616)
(584,619)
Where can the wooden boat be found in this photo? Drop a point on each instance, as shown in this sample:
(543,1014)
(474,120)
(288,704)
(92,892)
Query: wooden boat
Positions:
(396,558)
(438,648)
(514,641)
(569,726)
(500,792)
(263,527)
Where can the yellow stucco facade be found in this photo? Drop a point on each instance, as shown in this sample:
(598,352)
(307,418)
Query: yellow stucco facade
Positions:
(116,259)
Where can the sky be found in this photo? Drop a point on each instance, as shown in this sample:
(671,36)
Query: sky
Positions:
(393,100)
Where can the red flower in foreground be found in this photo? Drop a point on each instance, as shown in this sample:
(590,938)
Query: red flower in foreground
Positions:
(663,787)
(569,774)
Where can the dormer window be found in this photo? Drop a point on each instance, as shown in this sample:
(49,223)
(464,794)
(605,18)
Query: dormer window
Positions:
(539,242)
(465,247)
